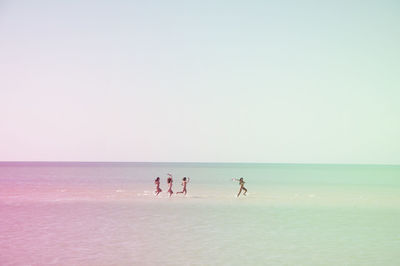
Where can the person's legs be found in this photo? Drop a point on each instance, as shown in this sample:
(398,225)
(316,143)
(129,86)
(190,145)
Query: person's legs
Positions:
(240,190)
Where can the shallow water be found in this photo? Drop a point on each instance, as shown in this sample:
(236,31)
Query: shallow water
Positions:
(106,214)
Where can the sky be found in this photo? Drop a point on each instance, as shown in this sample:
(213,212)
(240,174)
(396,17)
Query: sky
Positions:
(200,81)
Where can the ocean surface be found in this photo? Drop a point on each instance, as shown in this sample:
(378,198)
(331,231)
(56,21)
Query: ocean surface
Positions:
(106,214)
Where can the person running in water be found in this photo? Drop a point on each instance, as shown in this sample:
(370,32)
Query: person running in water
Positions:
(241,183)
(158,189)
(169,181)
(184,182)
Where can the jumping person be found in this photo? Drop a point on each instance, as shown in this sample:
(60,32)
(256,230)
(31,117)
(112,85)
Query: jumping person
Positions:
(184,182)
(241,183)
(158,189)
(169,181)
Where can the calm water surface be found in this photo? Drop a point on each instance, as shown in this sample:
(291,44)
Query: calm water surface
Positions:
(106,214)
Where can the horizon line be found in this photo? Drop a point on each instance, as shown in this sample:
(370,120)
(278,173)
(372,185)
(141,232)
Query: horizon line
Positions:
(187,162)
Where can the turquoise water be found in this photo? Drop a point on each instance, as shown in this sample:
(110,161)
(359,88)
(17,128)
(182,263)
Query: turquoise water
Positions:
(105,214)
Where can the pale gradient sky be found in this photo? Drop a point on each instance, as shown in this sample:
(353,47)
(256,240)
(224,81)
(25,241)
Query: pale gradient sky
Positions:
(208,81)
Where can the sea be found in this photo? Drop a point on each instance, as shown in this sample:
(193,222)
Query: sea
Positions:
(70,213)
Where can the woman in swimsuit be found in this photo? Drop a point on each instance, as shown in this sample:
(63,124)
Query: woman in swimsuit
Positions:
(241,183)
(184,182)
(158,189)
(169,181)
